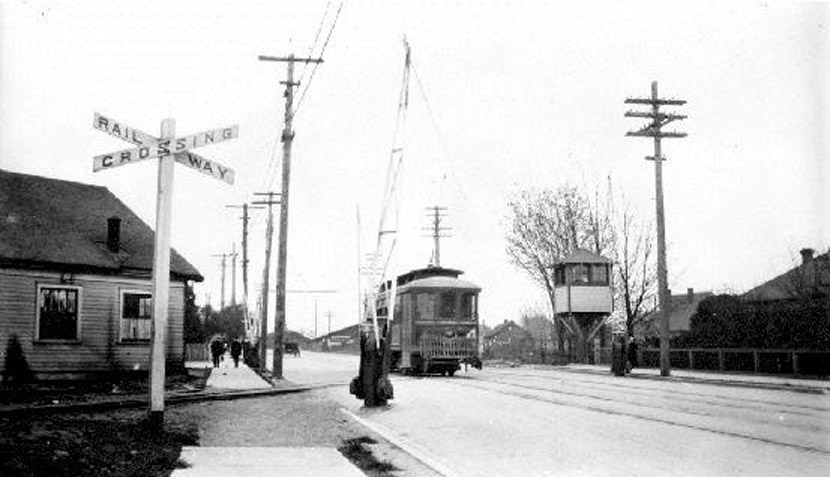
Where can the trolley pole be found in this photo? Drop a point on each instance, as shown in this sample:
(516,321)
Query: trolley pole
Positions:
(654,131)
(287,139)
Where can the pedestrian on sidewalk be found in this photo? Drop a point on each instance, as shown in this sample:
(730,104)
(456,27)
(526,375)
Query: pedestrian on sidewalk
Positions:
(631,353)
(217,349)
(236,350)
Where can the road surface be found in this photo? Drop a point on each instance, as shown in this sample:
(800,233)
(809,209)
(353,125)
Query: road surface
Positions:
(527,421)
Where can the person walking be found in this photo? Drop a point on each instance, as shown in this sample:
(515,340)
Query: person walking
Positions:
(631,354)
(217,349)
(236,351)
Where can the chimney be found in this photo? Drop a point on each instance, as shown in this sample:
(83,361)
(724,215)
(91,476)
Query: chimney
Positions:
(113,234)
(690,294)
(807,255)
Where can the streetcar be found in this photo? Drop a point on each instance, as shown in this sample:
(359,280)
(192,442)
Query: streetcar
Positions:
(434,327)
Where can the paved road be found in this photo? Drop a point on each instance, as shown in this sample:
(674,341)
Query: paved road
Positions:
(519,421)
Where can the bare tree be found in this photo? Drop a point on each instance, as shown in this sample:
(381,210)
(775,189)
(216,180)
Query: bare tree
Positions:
(636,275)
(546,226)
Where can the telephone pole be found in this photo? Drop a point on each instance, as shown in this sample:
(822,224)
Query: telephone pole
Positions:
(653,130)
(233,256)
(269,233)
(222,295)
(313,292)
(436,215)
(287,139)
(245,218)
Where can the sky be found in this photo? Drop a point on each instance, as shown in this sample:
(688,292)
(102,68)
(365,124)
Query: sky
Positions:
(505,96)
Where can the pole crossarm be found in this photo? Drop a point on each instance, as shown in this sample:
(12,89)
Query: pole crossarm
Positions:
(656,101)
(653,130)
(289,59)
(649,132)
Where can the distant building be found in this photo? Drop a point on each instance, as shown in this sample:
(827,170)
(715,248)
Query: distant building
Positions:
(681,309)
(809,279)
(508,341)
(76,279)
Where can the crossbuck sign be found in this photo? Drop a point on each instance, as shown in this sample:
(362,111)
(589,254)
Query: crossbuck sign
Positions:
(150,147)
(169,149)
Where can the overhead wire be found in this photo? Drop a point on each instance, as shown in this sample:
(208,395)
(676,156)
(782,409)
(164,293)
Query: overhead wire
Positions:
(314,68)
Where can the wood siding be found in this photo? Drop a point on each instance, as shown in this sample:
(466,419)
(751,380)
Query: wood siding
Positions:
(99,348)
(583,299)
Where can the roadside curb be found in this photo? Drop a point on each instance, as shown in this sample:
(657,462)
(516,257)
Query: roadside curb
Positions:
(134,402)
(410,448)
(714,381)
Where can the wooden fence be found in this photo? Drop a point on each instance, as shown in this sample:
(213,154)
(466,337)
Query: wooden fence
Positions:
(196,352)
(760,360)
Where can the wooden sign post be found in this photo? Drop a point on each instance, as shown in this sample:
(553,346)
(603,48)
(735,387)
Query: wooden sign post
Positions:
(168,149)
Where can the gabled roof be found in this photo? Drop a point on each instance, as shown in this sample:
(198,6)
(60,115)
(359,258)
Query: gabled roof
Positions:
(808,278)
(56,224)
(583,256)
(681,309)
(508,327)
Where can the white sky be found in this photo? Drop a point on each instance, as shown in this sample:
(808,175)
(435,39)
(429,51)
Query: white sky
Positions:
(525,94)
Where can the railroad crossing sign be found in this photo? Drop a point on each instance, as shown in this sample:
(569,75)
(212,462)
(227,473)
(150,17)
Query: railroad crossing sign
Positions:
(150,147)
(168,149)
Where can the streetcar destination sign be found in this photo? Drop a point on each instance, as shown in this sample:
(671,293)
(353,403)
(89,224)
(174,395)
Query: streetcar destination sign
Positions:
(150,147)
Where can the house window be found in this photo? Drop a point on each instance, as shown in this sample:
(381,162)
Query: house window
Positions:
(599,274)
(447,306)
(136,316)
(559,275)
(58,313)
(579,273)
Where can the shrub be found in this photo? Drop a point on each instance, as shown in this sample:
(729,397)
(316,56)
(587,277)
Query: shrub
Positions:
(16,370)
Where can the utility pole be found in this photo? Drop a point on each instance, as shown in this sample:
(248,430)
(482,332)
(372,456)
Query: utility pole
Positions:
(287,139)
(245,219)
(222,294)
(313,292)
(269,233)
(436,215)
(233,256)
(329,315)
(653,130)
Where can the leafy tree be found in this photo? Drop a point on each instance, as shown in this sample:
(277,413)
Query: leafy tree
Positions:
(229,321)
(192,324)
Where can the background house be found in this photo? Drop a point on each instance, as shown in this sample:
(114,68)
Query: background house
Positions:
(508,341)
(808,280)
(681,309)
(75,279)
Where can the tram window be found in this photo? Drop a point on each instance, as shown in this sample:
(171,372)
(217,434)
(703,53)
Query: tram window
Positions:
(447,305)
(425,306)
(467,312)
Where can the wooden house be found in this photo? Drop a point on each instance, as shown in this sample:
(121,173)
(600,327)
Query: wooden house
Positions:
(75,279)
